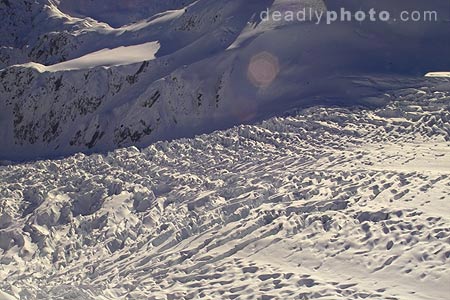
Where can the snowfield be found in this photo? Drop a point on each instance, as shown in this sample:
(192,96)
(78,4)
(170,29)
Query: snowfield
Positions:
(322,203)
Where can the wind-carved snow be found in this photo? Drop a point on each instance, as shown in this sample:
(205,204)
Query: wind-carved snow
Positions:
(120,56)
(438,74)
(124,55)
(323,203)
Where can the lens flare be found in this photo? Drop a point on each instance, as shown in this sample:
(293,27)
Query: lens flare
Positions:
(263,69)
(245,109)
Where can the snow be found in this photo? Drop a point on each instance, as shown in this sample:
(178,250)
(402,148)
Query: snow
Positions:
(5,296)
(323,203)
(189,67)
(123,55)
(120,13)
(438,74)
(184,149)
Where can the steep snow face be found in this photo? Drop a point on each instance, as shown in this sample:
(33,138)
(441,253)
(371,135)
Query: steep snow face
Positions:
(216,64)
(124,55)
(324,203)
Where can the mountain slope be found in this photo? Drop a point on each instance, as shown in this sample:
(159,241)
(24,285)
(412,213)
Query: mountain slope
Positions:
(120,13)
(217,65)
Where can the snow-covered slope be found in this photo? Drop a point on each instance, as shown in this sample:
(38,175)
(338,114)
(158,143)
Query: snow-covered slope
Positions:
(107,58)
(119,13)
(324,203)
(216,65)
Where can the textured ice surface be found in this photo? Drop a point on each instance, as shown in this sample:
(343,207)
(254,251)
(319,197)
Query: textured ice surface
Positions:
(323,203)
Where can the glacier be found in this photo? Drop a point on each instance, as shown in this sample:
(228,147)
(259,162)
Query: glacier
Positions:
(187,149)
